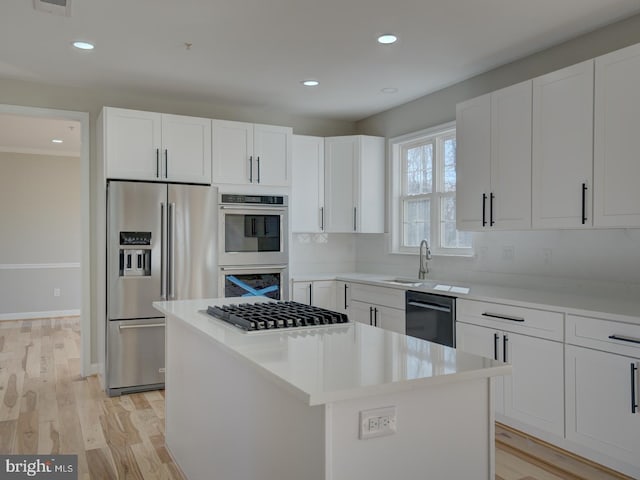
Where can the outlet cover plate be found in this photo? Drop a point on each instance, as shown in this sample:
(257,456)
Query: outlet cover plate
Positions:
(377,422)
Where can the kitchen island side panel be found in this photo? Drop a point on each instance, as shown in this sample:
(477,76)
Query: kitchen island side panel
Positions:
(225,420)
(444,432)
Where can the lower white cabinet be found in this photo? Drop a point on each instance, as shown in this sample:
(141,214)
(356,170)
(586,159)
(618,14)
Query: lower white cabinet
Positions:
(602,389)
(319,293)
(534,394)
(378,316)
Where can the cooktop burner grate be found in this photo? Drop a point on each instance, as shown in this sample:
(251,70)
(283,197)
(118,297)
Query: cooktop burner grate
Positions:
(273,315)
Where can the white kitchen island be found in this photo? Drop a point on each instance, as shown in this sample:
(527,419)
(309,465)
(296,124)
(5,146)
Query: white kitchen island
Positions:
(286,405)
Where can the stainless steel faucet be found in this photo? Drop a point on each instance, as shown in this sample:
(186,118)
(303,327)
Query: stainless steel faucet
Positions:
(424,256)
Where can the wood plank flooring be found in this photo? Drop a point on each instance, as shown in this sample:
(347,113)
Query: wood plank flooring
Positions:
(46,407)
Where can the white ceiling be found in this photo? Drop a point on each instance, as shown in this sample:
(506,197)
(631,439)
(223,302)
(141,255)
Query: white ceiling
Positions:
(24,134)
(254,53)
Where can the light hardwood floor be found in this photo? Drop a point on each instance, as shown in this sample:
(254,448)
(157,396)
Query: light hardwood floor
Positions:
(46,407)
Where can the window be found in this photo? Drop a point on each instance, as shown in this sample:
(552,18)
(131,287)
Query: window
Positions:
(424,193)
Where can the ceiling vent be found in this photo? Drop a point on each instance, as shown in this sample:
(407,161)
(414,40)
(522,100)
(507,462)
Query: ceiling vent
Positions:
(56,7)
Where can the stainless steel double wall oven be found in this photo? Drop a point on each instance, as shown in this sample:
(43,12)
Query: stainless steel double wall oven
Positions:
(253,253)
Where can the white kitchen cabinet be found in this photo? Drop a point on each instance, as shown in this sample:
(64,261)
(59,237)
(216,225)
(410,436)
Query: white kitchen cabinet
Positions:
(530,340)
(616,196)
(319,293)
(354,184)
(494,160)
(307,185)
(251,154)
(562,163)
(156,146)
(378,306)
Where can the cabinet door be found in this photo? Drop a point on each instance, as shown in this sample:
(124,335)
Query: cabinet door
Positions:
(369,191)
(302,292)
(132,143)
(511,157)
(323,294)
(361,312)
(341,155)
(272,151)
(390,319)
(343,296)
(485,342)
(186,149)
(534,394)
(562,161)
(599,413)
(232,152)
(473,163)
(616,197)
(307,184)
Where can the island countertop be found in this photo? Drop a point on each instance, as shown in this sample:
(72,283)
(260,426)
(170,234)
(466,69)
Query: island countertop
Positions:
(338,362)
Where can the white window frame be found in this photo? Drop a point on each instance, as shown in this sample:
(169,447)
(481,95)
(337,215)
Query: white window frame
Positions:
(397,178)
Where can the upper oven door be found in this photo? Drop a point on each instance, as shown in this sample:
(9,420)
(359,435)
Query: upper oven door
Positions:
(253,236)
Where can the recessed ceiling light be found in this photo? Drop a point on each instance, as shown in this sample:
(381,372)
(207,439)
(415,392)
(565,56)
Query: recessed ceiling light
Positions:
(56,140)
(387,38)
(83,45)
(310,83)
(389,90)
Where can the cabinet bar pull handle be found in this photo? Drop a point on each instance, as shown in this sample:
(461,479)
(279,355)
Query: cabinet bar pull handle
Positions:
(251,169)
(584,203)
(496,339)
(354,218)
(371,316)
(157,163)
(258,162)
(484,209)
(322,219)
(166,163)
(503,317)
(505,340)
(310,294)
(491,198)
(345,296)
(634,403)
(625,339)
(375,317)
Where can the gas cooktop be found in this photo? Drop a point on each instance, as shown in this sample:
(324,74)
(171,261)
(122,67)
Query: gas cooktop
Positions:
(275,315)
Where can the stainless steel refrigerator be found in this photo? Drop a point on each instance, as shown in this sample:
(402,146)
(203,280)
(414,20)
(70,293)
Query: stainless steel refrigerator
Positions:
(161,245)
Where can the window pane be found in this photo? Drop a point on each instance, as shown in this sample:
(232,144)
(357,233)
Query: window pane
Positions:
(450,237)
(417,223)
(449,165)
(419,169)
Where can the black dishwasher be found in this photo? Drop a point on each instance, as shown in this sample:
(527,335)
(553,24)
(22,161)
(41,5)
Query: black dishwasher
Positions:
(431,317)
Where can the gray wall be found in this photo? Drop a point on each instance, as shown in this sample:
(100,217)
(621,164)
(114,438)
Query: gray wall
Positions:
(40,218)
(606,259)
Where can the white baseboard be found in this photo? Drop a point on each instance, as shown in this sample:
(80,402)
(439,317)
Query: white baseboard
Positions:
(30,315)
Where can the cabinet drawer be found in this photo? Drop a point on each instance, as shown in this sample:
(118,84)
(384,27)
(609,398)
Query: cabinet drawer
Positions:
(388,297)
(597,332)
(528,321)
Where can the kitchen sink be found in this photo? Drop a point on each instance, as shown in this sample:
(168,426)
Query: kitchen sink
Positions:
(404,281)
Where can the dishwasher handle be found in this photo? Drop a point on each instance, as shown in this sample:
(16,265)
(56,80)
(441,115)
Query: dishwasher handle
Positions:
(429,306)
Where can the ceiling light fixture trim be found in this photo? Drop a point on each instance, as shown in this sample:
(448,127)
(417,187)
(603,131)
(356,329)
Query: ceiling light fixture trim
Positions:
(82,45)
(387,39)
(310,83)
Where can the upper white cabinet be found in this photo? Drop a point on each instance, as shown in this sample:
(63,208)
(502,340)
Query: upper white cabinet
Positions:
(562,162)
(156,146)
(494,160)
(246,153)
(354,184)
(616,195)
(307,185)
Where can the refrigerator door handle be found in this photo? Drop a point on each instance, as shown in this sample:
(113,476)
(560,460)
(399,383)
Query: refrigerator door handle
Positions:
(163,253)
(170,251)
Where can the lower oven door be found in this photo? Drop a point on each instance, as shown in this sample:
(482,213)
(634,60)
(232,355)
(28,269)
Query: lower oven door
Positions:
(270,281)
(135,355)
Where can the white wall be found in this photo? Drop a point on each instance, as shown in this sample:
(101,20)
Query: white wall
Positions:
(40,218)
(580,260)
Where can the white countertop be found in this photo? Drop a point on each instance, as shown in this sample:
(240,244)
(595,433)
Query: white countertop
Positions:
(333,363)
(622,308)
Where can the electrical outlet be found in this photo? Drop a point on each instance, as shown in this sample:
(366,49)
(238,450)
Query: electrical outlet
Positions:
(377,422)
(546,256)
(56,292)
(508,253)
